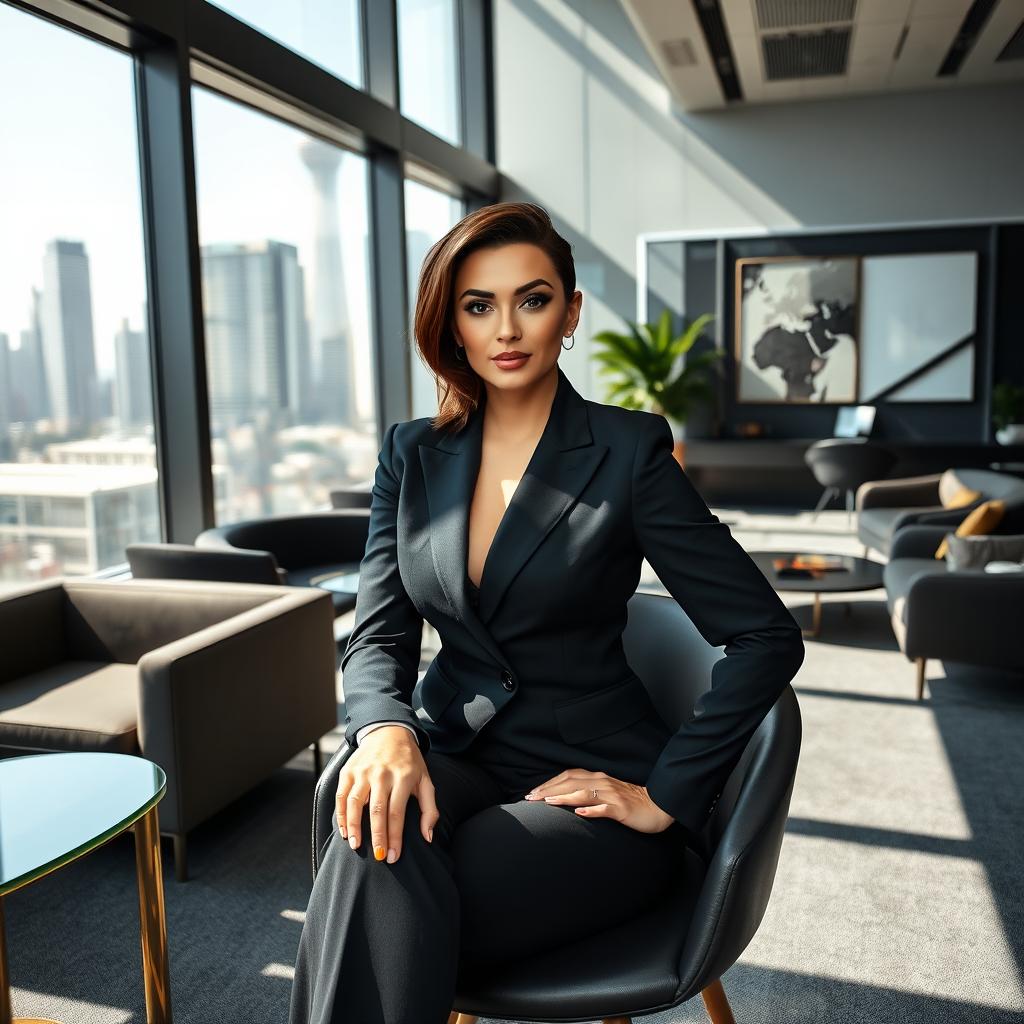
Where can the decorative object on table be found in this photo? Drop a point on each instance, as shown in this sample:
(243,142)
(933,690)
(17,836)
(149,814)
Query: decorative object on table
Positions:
(807,566)
(796,329)
(998,566)
(1008,412)
(55,808)
(856,574)
(750,428)
(643,367)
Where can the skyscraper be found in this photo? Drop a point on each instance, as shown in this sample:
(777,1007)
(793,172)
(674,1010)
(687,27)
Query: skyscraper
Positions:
(256,346)
(331,346)
(29,401)
(133,398)
(68,350)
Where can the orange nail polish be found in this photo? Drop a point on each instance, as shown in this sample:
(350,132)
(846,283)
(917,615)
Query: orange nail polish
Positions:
(378,852)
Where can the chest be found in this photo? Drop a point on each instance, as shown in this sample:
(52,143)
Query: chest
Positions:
(501,470)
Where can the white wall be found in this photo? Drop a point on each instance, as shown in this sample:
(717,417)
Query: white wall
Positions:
(586,129)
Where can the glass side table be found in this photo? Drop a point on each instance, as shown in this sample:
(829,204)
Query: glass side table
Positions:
(54,808)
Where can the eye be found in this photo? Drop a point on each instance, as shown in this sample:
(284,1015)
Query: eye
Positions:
(469,305)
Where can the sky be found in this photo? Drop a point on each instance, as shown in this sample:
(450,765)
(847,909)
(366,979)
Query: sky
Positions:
(69,165)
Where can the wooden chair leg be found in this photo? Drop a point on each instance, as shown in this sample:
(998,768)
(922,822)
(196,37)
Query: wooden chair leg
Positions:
(617,1020)
(461,1018)
(717,1005)
(921,663)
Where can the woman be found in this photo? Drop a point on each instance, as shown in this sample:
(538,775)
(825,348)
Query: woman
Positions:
(550,799)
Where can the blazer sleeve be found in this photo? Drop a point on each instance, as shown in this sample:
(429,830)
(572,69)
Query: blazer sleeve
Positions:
(380,666)
(732,604)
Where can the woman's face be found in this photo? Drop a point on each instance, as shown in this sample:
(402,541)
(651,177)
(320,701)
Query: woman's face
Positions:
(509,299)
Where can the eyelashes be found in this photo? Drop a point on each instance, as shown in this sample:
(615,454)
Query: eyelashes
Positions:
(544,300)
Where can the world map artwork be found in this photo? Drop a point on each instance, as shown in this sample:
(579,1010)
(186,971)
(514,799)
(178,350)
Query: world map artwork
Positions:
(797,330)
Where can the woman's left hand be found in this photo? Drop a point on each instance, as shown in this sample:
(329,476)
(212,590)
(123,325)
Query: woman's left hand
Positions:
(623,801)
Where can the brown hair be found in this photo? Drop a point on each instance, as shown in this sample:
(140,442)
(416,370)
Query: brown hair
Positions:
(494,225)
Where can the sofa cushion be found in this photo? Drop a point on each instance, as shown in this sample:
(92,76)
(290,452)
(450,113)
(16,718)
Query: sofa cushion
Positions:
(75,705)
(878,523)
(984,519)
(977,551)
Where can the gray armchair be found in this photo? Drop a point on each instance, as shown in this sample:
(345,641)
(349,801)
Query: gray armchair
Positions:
(218,683)
(886,506)
(963,615)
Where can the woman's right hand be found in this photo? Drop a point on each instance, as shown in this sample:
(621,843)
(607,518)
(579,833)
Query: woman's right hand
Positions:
(384,770)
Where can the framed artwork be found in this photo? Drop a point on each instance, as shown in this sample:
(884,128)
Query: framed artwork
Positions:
(797,329)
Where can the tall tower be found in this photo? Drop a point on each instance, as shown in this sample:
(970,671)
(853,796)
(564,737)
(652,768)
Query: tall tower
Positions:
(68,350)
(331,341)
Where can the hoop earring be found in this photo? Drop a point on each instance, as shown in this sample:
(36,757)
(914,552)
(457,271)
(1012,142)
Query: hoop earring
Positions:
(570,345)
(460,353)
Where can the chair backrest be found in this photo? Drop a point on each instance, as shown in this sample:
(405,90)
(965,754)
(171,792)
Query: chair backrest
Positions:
(184,562)
(992,484)
(745,832)
(846,463)
(299,541)
(351,497)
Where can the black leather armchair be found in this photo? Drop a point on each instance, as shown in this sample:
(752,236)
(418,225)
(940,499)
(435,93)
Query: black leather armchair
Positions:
(682,948)
(307,547)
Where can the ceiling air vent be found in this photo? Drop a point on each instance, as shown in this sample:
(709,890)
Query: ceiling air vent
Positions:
(776,14)
(806,54)
(679,52)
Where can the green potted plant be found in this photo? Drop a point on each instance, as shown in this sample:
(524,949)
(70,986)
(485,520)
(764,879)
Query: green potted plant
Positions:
(1008,412)
(642,367)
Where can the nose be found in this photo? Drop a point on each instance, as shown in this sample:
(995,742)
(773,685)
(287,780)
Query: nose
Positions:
(507,329)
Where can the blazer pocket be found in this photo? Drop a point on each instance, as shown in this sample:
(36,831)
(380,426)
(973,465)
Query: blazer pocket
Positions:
(437,691)
(606,711)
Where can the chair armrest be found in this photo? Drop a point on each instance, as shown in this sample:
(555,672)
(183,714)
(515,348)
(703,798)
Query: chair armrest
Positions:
(916,541)
(907,492)
(35,616)
(324,799)
(966,615)
(222,708)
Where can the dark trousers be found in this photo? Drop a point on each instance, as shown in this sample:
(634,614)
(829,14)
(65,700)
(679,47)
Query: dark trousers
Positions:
(504,878)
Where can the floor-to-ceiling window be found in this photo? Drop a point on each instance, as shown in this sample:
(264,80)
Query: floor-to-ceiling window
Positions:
(429,214)
(78,477)
(429,65)
(284,244)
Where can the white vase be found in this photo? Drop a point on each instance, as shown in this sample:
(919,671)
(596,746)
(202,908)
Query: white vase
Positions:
(1012,433)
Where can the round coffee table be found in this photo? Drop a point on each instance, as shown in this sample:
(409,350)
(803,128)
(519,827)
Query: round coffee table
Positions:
(856,574)
(55,808)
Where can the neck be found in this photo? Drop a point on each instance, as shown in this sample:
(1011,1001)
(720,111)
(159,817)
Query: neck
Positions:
(520,414)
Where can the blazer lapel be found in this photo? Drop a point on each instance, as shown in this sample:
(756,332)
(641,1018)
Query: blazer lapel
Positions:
(562,464)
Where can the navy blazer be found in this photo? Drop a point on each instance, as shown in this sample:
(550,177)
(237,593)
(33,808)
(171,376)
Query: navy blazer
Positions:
(540,662)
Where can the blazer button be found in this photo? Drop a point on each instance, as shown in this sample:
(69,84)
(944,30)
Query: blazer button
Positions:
(507,681)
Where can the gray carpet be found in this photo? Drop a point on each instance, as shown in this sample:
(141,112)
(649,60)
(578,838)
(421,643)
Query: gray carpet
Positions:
(897,898)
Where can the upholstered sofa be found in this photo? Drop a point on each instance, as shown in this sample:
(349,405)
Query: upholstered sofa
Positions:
(963,615)
(886,506)
(218,683)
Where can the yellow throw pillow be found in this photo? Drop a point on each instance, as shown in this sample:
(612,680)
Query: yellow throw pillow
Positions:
(963,496)
(980,520)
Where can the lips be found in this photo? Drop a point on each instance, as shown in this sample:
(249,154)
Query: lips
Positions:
(510,357)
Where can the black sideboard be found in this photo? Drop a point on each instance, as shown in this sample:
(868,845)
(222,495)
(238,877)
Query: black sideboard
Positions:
(772,472)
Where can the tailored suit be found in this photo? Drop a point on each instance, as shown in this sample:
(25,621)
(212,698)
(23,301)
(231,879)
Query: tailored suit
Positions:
(531,679)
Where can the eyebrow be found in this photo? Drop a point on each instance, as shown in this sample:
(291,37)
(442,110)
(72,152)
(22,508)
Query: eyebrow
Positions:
(490,295)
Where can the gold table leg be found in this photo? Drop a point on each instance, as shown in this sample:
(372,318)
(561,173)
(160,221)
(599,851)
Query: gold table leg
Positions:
(153,925)
(816,619)
(5,984)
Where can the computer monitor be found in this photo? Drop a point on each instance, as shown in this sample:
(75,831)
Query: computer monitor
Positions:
(854,421)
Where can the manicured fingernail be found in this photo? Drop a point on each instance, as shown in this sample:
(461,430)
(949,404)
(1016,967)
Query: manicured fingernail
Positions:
(344,834)
(531,796)
(378,852)
(430,835)
(392,856)
(353,841)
